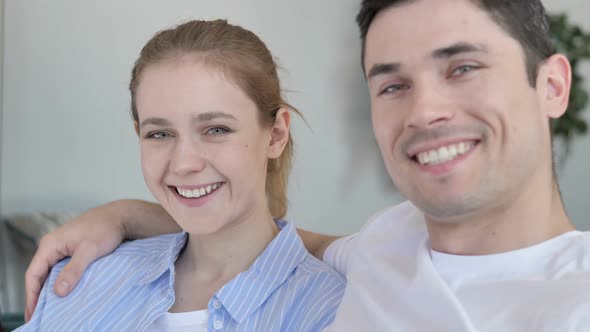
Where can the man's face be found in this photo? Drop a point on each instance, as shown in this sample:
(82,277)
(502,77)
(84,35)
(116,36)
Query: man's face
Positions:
(458,125)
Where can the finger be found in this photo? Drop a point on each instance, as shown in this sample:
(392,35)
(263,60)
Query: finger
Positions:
(72,272)
(38,270)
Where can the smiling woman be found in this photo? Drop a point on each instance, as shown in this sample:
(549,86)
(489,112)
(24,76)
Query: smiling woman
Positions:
(216,152)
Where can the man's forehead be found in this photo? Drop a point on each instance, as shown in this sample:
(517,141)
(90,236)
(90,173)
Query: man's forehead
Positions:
(410,30)
(441,53)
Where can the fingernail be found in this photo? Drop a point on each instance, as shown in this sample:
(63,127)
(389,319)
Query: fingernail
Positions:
(63,287)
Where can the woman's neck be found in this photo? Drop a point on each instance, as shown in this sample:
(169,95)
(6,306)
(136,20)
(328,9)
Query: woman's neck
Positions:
(210,261)
(232,249)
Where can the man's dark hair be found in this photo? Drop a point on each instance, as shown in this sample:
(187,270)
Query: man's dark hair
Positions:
(525,20)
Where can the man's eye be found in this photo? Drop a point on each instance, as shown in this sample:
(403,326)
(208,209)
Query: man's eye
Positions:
(217,131)
(394,88)
(463,69)
(158,135)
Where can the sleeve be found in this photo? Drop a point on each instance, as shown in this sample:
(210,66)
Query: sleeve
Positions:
(36,322)
(339,252)
(326,290)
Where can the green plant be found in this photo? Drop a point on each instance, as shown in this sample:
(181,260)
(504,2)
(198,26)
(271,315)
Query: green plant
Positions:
(571,40)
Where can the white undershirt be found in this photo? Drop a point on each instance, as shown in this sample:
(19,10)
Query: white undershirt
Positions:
(193,321)
(527,263)
(396,282)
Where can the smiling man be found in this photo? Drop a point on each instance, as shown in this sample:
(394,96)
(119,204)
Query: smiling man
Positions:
(463,126)
(462,93)
(461,104)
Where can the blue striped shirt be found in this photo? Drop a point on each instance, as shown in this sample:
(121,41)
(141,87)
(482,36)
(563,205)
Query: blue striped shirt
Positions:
(285,289)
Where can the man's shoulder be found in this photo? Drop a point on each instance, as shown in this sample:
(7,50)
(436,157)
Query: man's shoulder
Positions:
(395,218)
(392,230)
(574,256)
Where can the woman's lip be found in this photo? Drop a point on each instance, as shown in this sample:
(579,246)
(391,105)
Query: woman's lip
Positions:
(197,186)
(196,201)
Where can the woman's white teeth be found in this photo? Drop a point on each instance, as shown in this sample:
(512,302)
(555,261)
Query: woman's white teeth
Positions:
(196,193)
(444,154)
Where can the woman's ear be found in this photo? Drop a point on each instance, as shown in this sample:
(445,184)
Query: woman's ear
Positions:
(279,133)
(555,78)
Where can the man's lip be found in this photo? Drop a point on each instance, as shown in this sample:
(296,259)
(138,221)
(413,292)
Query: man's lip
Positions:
(418,148)
(446,167)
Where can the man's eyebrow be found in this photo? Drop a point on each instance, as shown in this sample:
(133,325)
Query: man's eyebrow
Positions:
(458,48)
(383,68)
(154,121)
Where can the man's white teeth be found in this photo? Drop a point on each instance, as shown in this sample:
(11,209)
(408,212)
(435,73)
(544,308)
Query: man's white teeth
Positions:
(196,193)
(444,154)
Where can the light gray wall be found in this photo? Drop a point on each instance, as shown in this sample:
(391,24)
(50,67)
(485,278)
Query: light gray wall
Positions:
(4,251)
(69,140)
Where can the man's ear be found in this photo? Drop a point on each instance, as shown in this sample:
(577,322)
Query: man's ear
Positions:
(554,83)
(279,133)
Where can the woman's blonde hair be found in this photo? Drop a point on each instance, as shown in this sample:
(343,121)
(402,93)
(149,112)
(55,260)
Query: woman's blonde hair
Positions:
(245,60)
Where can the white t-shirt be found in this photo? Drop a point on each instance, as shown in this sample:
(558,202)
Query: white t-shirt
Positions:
(193,321)
(397,283)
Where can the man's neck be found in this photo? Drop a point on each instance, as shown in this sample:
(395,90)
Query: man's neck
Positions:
(525,221)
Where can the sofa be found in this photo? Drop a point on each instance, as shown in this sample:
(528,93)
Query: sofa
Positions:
(19,237)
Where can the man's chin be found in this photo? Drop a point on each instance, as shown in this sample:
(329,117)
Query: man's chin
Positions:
(447,210)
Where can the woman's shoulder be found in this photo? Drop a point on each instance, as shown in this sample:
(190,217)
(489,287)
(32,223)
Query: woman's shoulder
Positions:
(151,247)
(306,269)
(134,253)
(131,259)
(133,270)
(315,292)
(313,267)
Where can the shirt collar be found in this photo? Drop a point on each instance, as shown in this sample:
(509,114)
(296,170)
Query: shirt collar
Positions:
(250,289)
(170,245)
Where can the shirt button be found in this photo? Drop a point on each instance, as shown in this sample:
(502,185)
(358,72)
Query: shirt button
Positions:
(218,325)
(216,304)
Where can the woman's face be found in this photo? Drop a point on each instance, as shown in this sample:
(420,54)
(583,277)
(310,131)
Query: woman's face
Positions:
(203,149)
